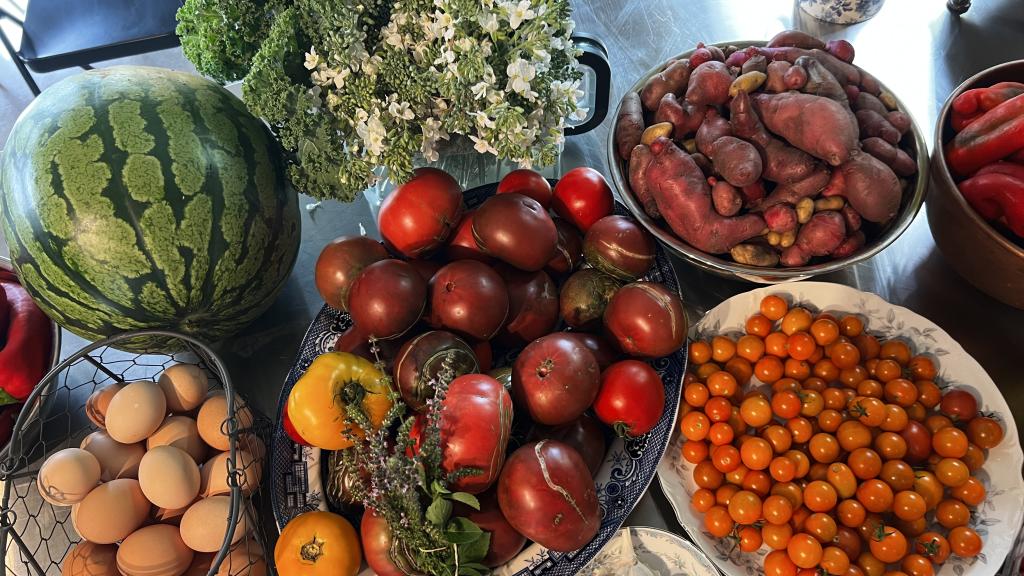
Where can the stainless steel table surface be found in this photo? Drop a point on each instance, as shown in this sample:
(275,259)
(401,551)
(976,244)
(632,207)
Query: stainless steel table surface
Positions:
(916,47)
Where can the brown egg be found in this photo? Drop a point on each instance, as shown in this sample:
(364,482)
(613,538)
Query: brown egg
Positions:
(185,386)
(135,412)
(201,563)
(252,444)
(111,511)
(116,460)
(180,432)
(205,524)
(68,476)
(169,477)
(215,474)
(170,515)
(212,416)
(89,559)
(99,400)
(245,558)
(155,550)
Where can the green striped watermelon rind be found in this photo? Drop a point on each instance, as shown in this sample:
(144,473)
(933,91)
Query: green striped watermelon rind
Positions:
(208,229)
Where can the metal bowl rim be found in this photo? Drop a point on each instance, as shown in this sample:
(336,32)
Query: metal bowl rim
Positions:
(722,267)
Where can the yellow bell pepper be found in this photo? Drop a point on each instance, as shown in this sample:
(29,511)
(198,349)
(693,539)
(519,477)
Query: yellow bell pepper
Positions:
(316,404)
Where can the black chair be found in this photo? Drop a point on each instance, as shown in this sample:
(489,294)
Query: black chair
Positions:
(58,34)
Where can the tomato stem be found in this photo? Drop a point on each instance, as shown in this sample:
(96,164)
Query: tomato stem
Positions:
(312,551)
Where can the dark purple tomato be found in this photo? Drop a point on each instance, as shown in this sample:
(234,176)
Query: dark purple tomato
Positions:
(568,250)
(515,229)
(468,297)
(340,263)
(505,541)
(584,434)
(603,350)
(420,360)
(618,246)
(533,303)
(555,378)
(646,319)
(387,299)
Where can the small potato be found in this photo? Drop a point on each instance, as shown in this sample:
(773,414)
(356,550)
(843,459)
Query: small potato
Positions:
(629,125)
(888,99)
(773,238)
(787,239)
(738,161)
(899,121)
(725,198)
(776,76)
(748,82)
(780,218)
(690,145)
(655,131)
(831,203)
(841,49)
(804,210)
(755,255)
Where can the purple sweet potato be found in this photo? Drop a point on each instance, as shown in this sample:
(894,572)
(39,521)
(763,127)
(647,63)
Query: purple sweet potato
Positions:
(795,77)
(738,58)
(780,218)
(820,81)
(873,124)
(868,101)
(819,237)
(844,72)
(793,192)
(852,243)
(709,84)
(684,199)
(700,56)
(899,120)
(703,162)
(840,49)
(795,38)
(685,117)
(713,128)
(744,121)
(639,160)
(725,197)
(819,126)
(869,83)
(776,76)
(736,160)
(852,92)
(716,53)
(757,63)
(871,187)
(753,193)
(672,79)
(629,124)
(850,216)
(900,162)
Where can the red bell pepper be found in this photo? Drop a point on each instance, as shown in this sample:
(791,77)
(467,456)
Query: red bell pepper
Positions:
(1017,157)
(24,358)
(994,136)
(997,197)
(972,104)
(5,313)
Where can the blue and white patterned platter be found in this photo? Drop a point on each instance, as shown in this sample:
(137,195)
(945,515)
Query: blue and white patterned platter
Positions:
(296,474)
(664,553)
(997,520)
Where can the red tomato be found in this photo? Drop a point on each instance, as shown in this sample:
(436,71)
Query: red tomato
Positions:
(528,183)
(959,405)
(919,442)
(419,216)
(462,245)
(289,428)
(339,264)
(631,398)
(584,434)
(476,420)
(375,535)
(583,197)
(556,379)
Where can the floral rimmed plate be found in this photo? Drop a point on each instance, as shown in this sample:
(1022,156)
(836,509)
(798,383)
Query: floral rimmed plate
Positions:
(297,472)
(664,553)
(997,520)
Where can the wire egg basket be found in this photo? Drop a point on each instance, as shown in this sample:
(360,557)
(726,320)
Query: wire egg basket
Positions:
(38,536)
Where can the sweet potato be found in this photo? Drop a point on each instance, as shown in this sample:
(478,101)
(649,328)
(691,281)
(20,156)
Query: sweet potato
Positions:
(900,162)
(672,79)
(851,218)
(869,83)
(873,124)
(780,218)
(709,84)
(713,128)
(820,81)
(785,164)
(702,162)
(738,58)
(844,72)
(795,38)
(868,101)
(736,160)
(753,193)
(870,186)
(639,160)
(725,197)
(852,243)
(700,56)
(756,63)
(776,76)
(852,92)
(744,121)
(821,127)
(795,77)
(629,124)
(899,120)
(755,255)
(819,237)
(793,192)
(840,49)
(684,198)
(685,117)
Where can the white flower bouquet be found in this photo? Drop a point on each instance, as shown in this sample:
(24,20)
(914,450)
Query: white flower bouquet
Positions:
(348,86)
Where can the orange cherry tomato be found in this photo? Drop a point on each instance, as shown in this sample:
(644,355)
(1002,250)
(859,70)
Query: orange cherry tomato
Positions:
(870,388)
(786,404)
(949,442)
(936,422)
(804,550)
(964,542)
(917,565)
(897,474)
(835,398)
(790,491)
(826,370)
(718,409)
(777,509)
(971,492)
(896,350)
(782,469)
(779,437)
(865,463)
(758,482)
(870,565)
(749,538)
(700,352)
(851,377)
(933,546)
(844,355)
(895,418)
(922,368)
(796,320)
(820,496)
(911,528)
(722,349)
(702,500)
(916,412)
(829,420)
(975,457)
(704,371)
(777,536)
(737,475)
(724,494)
(777,563)
(851,513)
(901,391)
(756,453)
(777,344)
(801,345)
(928,393)
(851,326)
(951,513)
(722,383)
(696,394)
(985,432)
(825,331)
(695,425)
(694,451)
(720,433)
(773,307)
(750,347)
(851,435)
(952,472)
(823,448)
(909,505)
(888,544)
(818,471)
(797,369)
(822,526)
(705,475)
(756,411)
(890,446)
(927,485)
(768,369)
(745,507)
(718,522)
(725,458)
(811,404)
(870,411)
(740,368)
(887,370)
(842,479)
(868,346)
(834,560)
(875,495)
(758,325)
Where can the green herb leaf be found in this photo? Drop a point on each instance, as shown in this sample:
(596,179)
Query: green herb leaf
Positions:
(438,487)
(439,511)
(462,531)
(480,568)
(467,499)
(472,553)
(469,571)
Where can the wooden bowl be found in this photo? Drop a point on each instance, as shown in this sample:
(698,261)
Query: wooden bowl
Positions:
(974,248)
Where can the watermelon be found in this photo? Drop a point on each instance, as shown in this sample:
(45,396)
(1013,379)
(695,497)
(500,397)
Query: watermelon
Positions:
(143,198)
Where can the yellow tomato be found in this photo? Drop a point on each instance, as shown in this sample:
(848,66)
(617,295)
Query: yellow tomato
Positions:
(316,405)
(318,544)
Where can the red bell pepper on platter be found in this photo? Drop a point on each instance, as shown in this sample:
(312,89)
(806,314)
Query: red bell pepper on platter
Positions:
(25,355)
(995,135)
